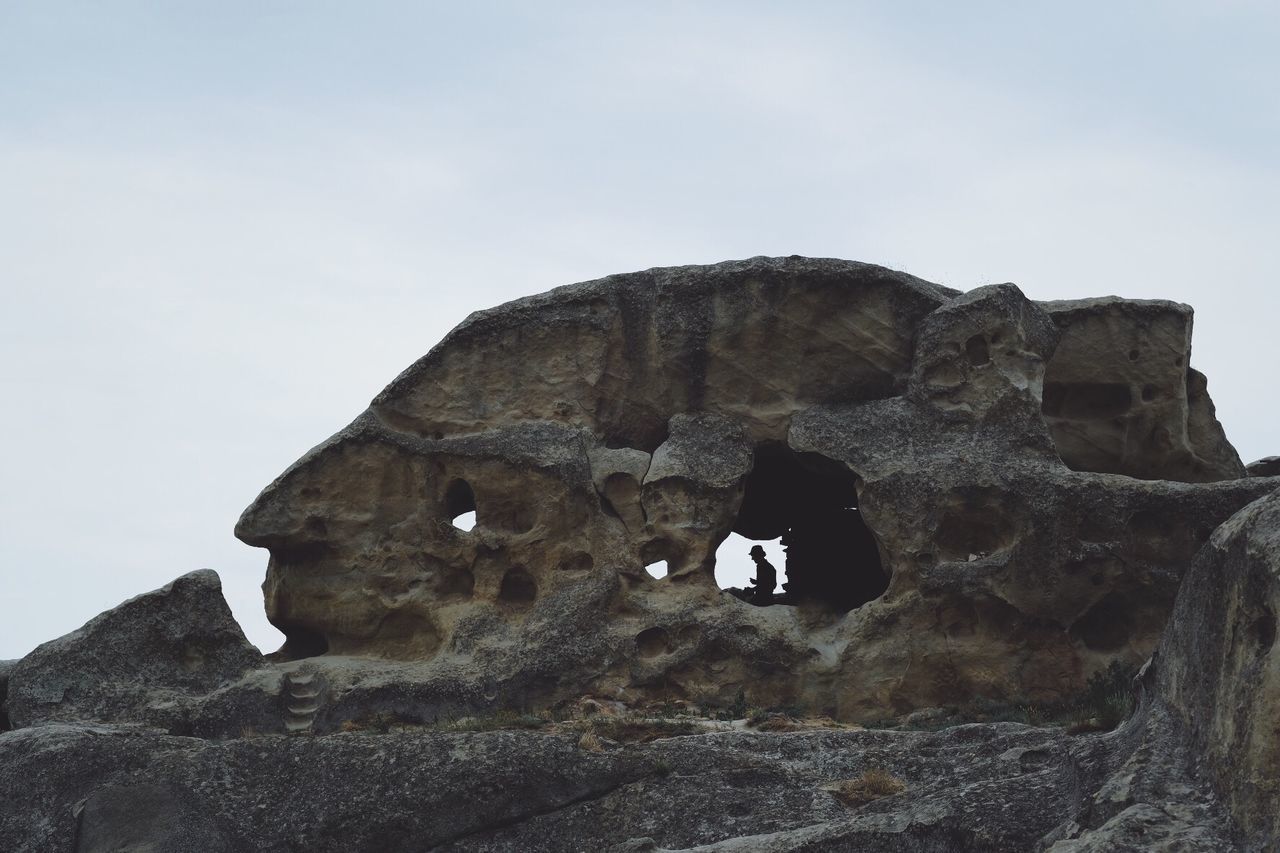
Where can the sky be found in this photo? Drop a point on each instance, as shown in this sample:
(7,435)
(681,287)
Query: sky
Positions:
(224,227)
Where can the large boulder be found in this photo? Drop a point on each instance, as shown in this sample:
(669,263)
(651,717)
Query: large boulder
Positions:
(1267,466)
(137,661)
(950,539)
(1120,394)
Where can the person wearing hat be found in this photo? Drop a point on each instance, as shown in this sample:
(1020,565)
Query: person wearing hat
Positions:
(766,578)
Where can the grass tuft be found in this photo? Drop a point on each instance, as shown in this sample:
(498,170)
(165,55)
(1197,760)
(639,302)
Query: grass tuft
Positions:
(872,785)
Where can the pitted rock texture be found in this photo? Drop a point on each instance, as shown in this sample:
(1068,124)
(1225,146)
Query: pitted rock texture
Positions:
(1120,394)
(605,426)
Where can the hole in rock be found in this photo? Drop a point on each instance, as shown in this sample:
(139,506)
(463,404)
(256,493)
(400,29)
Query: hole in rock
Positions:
(518,587)
(658,569)
(460,505)
(300,642)
(975,524)
(1264,630)
(1106,625)
(977,350)
(456,582)
(735,567)
(578,562)
(639,430)
(652,642)
(824,553)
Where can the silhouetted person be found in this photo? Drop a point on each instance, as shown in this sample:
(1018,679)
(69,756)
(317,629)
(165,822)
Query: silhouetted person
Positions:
(766,579)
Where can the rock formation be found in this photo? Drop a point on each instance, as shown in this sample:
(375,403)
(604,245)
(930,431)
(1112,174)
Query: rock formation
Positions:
(988,502)
(604,426)
(138,661)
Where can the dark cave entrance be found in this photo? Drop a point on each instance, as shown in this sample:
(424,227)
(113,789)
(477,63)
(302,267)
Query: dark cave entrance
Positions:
(460,505)
(810,502)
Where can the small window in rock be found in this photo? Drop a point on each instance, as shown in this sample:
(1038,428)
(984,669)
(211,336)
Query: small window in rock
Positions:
(658,569)
(460,505)
(737,566)
(300,642)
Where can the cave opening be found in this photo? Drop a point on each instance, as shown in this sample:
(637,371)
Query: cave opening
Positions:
(809,504)
(658,569)
(460,505)
(300,642)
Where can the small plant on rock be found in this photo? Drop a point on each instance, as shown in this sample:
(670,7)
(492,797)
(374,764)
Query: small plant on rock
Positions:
(1107,700)
(874,784)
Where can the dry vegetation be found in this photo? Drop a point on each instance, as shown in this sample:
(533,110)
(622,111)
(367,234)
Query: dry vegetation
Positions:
(874,784)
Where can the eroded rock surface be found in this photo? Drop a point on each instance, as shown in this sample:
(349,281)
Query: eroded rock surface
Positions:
(137,661)
(1120,395)
(605,426)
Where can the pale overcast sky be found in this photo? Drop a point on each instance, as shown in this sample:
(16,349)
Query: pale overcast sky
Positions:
(225,226)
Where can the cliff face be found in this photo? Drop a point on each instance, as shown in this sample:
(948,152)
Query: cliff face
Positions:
(987,501)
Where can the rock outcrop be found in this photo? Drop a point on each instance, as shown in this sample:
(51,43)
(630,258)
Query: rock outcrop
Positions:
(605,426)
(1218,665)
(138,662)
(988,503)
(1120,394)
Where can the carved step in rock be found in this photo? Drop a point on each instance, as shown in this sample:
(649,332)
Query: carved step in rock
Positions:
(301,693)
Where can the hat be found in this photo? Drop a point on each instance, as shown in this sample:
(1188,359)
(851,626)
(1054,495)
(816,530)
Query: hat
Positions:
(756,550)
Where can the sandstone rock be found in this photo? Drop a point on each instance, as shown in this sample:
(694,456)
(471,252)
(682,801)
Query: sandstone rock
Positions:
(1120,395)
(1218,666)
(135,661)
(753,340)
(602,427)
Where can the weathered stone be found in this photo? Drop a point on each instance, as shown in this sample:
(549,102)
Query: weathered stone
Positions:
(1218,666)
(1267,466)
(1120,395)
(753,340)
(980,788)
(136,661)
(604,426)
